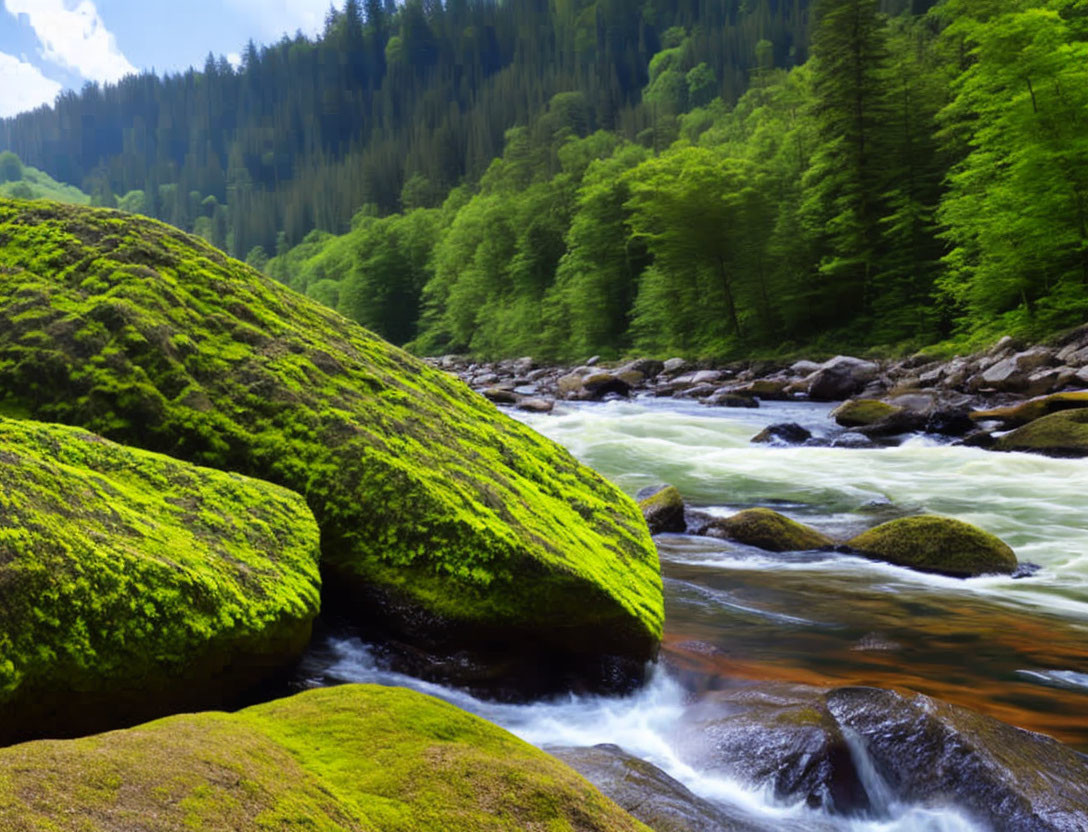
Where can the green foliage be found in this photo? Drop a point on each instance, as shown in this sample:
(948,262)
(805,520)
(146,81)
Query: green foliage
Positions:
(422,489)
(129,572)
(19,181)
(346,759)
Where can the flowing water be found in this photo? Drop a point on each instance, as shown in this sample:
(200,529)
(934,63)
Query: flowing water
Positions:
(1016,649)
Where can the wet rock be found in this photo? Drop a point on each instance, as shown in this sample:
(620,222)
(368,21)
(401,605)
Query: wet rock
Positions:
(697,391)
(1026,570)
(768,389)
(853,440)
(952,421)
(1022,413)
(663,508)
(570,385)
(1063,434)
(648,793)
(840,378)
(856,413)
(934,753)
(768,530)
(501,395)
(646,367)
(599,385)
(979,439)
(594,361)
(895,424)
(730,398)
(937,544)
(787,433)
(780,737)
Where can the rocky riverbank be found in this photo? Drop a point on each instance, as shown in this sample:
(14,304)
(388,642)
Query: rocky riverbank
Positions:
(972,398)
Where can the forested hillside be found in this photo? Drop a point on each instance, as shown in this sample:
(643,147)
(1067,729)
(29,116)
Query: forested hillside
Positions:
(714,178)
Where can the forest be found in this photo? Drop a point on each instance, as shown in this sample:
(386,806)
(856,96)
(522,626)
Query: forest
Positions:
(713,178)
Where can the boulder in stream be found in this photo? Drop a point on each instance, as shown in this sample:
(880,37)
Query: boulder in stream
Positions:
(786,433)
(1063,434)
(942,545)
(857,413)
(768,530)
(1017,415)
(663,508)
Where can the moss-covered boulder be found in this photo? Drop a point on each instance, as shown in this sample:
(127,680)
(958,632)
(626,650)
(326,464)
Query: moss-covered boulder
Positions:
(769,530)
(858,413)
(1020,414)
(132,584)
(663,509)
(441,519)
(347,759)
(1063,434)
(937,544)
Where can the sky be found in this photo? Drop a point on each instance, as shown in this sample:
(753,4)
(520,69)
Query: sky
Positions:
(50,45)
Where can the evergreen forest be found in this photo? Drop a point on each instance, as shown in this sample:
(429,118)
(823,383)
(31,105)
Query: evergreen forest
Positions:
(712,178)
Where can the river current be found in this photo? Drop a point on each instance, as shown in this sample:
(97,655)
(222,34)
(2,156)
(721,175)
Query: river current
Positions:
(1016,649)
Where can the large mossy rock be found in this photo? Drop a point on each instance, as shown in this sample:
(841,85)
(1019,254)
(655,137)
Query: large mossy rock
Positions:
(663,509)
(441,519)
(346,759)
(1062,434)
(937,544)
(858,413)
(132,584)
(768,530)
(1017,415)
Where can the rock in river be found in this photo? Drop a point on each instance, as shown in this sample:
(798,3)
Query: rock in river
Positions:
(443,522)
(132,585)
(769,530)
(937,544)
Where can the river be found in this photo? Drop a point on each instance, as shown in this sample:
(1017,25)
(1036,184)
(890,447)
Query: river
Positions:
(1016,649)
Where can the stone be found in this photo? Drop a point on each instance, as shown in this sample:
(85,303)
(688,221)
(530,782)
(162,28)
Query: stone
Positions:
(533,404)
(1022,413)
(787,433)
(858,412)
(675,366)
(1062,434)
(768,530)
(942,545)
(663,508)
(730,398)
(500,395)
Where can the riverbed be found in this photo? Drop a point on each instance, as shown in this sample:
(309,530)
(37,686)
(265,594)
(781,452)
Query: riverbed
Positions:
(1016,649)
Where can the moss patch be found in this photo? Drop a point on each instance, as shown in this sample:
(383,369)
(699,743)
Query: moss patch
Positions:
(422,489)
(858,413)
(769,530)
(127,579)
(664,511)
(1063,434)
(937,544)
(347,759)
(1021,414)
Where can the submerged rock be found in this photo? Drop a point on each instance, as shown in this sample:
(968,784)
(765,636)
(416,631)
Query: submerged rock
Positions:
(788,433)
(347,759)
(444,523)
(132,585)
(937,544)
(663,508)
(1062,434)
(648,793)
(768,530)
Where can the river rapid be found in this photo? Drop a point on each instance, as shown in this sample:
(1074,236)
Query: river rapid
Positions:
(1016,649)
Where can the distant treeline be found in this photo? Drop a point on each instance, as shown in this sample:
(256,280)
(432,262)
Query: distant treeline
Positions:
(391,107)
(922,177)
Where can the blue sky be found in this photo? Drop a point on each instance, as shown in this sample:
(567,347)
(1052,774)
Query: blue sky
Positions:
(50,45)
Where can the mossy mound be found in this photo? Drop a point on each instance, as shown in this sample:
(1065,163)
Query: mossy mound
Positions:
(769,530)
(858,413)
(439,516)
(1063,434)
(132,584)
(347,759)
(1021,414)
(937,544)
(664,511)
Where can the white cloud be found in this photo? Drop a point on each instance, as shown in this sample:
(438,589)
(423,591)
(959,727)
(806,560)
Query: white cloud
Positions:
(22,86)
(234,59)
(272,18)
(73,36)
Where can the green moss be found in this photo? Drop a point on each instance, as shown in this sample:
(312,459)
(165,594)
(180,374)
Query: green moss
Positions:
(858,413)
(664,511)
(123,572)
(352,758)
(1021,414)
(422,489)
(937,544)
(769,530)
(1063,434)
